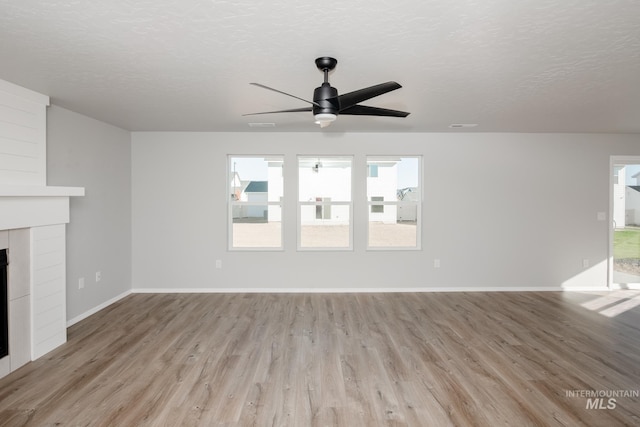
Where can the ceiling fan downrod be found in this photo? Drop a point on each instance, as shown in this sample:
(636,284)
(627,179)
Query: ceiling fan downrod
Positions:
(326,64)
(325,111)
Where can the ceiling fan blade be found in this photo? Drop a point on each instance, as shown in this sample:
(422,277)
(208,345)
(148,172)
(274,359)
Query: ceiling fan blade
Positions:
(293,110)
(363,110)
(350,99)
(284,93)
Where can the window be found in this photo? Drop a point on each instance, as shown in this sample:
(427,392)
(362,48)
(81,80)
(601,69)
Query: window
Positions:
(395,199)
(377,208)
(324,202)
(325,205)
(255,202)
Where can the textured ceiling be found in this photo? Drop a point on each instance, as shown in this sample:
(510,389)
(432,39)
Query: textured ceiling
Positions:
(524,66)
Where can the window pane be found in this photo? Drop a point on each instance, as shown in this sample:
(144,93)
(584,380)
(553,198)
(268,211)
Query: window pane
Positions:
(324,226)
(256,190)
(324,178)
(324,197)
(256,179)
(257,226)
(395,177)
(396,233)
(397,183)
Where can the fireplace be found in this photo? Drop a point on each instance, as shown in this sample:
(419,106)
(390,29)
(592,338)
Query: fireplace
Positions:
(4,306)
(33,218)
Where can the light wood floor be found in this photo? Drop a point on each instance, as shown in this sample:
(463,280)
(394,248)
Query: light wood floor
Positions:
(465,359)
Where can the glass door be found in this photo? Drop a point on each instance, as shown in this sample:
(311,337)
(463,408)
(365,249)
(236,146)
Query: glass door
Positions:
(625,244)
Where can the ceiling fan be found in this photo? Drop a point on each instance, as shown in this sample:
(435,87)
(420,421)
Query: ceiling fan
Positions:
(327,104)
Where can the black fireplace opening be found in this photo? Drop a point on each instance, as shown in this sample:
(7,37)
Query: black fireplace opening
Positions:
(4,306)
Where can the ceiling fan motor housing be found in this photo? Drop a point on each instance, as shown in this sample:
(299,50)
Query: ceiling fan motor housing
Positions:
(326,97)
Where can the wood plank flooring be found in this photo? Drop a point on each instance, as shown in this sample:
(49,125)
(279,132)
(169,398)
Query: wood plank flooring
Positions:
(429,359)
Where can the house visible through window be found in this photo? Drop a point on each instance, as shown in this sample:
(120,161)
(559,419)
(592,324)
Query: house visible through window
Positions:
(255,202)
(616,174)
(324,202)
(394,199)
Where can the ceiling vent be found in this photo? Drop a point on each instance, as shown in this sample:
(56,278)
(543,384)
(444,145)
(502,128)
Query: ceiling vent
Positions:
(262,125)
(462,125)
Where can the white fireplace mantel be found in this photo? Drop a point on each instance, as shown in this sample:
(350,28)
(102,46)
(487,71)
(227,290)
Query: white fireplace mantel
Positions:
(24,206)
(39,191)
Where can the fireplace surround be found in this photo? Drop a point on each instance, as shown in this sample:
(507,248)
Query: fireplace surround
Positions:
(33,218)
(33,229)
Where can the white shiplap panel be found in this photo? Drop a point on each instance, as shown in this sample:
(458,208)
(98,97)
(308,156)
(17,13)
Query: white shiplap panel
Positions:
(11,176)
(13,147)
(48,287)
(23,124)
(48,293)
(21,164)
(19,332)
(48,274)
(11,114)
(44,260)
(50,244)
(50,232)
(20,97)
(19,263)
(48,324)
(25,134)
(51,343)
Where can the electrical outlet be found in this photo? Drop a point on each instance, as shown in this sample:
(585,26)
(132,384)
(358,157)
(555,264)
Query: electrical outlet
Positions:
(81,283)
(436,263)
(98,276)
(218,263)
(585,263)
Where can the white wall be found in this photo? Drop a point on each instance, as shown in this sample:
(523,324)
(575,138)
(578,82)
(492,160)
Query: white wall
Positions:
(529,230)
(83,151)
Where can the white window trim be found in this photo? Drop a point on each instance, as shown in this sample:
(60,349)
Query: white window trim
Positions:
(418,204)
(349,203)
(232,203)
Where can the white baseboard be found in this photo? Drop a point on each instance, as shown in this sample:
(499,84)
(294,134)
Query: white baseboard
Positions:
(96,309)
(625,286)
(585,288)
(338,290)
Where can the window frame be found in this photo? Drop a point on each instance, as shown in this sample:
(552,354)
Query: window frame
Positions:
(397,203)
(323,203)
(231,203)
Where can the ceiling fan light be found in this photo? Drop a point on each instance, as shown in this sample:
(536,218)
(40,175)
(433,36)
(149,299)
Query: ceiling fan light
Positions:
(324,119)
